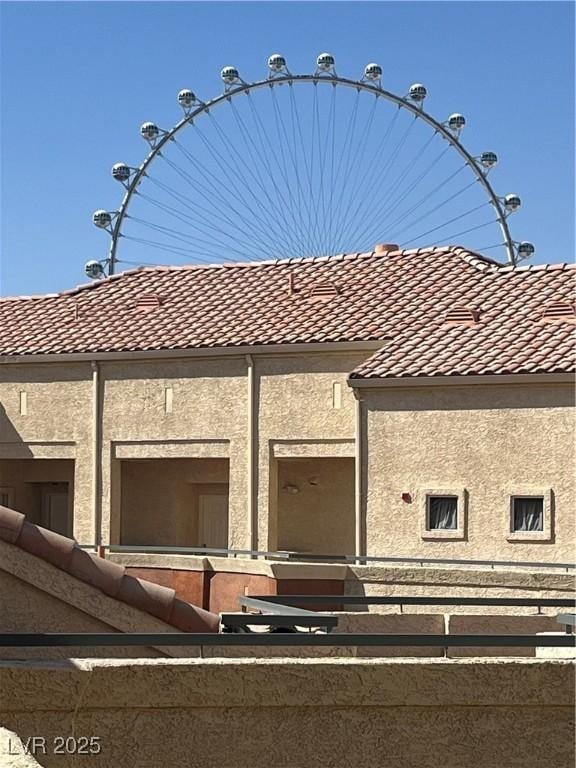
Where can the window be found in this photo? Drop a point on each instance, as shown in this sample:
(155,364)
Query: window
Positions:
(527,513)
(531,514)
(6,497)
(442,513)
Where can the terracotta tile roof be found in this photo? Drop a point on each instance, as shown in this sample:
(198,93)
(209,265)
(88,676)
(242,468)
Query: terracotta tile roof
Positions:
(395,295)
(106,576)
(482,349)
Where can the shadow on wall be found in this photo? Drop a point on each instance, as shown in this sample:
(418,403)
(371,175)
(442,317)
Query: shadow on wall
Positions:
(10,435)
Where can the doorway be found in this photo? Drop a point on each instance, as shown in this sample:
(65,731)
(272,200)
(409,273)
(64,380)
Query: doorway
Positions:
(55,511)
(213,520)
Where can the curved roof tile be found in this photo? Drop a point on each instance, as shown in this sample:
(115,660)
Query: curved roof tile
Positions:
(105,575)
(398,295)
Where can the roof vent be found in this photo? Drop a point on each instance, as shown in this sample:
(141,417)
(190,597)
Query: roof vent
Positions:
(386,247)
(323,291)
(462,316)
(148,301)
(558,311)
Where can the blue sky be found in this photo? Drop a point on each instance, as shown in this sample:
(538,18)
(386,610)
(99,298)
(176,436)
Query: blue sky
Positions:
(78,79)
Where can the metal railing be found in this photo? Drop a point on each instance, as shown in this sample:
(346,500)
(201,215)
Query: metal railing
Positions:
(168,639)
(180,639)
(283,611)
(263,602)
(311,558)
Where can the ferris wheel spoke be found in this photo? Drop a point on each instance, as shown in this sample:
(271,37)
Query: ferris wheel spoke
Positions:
(284,206)
(465,231)
(450,221)
(437,207)
(253,222)
(290,149)
(229,171)
(383,212)
(397,187)
(416,182)
(357,170)
(280,134)
(174,250)
(344,163)
(312,236)
(430,194)
(187,238)
(283,232)
(389,164)
(250,232)
(373,179)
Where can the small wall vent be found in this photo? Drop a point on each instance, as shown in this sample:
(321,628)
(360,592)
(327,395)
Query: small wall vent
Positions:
(559,311)
(462,316)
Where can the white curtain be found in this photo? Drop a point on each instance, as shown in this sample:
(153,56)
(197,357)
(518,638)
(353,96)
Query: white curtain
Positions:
(442,512)
(528,514)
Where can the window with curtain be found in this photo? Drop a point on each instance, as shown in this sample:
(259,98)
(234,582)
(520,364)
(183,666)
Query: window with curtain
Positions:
(528,513)
(442,513)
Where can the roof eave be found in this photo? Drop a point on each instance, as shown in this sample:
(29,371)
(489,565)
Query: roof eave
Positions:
(230,351)
(463,380)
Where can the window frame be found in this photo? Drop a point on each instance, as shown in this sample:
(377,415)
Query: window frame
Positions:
(546,533)
(444,534)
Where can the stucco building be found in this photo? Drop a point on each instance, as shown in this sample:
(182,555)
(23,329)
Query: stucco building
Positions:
(393,403)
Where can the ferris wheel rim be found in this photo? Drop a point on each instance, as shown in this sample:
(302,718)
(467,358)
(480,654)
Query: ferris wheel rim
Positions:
(290,79)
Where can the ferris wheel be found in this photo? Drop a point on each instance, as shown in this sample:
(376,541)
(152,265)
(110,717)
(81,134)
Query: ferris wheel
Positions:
(297,165)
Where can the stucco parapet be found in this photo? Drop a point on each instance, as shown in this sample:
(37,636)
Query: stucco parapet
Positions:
(157,560)
(245,565)
(466,576)
(200,683)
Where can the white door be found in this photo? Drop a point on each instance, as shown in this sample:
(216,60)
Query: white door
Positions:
(55,511)
(213,520)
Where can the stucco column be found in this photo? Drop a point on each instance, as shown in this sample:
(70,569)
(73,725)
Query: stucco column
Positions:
(96,455)
(358,477)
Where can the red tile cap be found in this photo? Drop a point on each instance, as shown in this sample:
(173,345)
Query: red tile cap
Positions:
(11,523)
(106,576)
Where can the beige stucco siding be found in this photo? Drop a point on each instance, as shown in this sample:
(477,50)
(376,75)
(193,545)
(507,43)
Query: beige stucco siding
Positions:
(208,405)
(56,425)
(491,441)
(296,403)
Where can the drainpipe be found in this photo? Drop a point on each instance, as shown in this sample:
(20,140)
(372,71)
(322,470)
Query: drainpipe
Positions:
(96,519)
(358,479)
(252,524)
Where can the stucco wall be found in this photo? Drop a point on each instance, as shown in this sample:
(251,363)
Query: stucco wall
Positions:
(159,499)
(297,713)
(319,518)
(489,440)
(295,395)
(26,479)
(492,441)
(56,425)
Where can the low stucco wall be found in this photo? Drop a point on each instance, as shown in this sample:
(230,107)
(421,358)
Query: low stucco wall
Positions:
(297,713)
(215,583)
